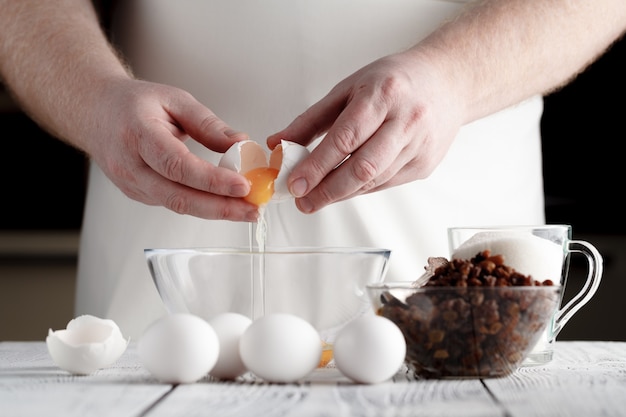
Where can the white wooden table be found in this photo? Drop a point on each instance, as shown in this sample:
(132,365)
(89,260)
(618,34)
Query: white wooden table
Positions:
(585,379)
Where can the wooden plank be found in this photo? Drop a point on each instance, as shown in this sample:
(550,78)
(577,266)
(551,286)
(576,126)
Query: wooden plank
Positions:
(585,379)
(77,398)
(449,399)
(327,392)
(32,385)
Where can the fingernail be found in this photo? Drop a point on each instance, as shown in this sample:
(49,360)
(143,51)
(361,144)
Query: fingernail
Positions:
(238,190)
(305,205)
(298,187)
(231,133)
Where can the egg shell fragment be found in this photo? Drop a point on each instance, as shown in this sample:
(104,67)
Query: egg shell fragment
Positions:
(88,343)
(229,327)
(370,349)
(244,156)
(285,157)
(179,348)
(280,347)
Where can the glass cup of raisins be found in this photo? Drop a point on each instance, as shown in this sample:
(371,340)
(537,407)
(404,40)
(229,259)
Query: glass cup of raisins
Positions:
(542,252)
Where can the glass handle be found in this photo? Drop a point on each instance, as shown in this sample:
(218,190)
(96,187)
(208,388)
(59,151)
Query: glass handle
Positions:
(594,274)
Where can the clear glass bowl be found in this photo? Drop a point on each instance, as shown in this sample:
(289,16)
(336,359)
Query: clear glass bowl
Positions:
(466,332)
(325,286)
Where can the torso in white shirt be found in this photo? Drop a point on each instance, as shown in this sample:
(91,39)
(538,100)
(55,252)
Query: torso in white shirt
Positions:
(258,64)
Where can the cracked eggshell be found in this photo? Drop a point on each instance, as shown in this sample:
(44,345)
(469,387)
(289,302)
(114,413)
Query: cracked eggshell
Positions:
(247,155)
(87,344)
(284,158)
(244,156)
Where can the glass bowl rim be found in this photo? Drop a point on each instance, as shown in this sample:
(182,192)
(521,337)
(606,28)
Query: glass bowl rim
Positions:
(271,250)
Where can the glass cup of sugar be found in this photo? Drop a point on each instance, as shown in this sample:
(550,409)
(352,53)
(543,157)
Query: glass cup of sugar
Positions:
(543,252)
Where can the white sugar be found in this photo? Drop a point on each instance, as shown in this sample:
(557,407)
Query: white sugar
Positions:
(525,252)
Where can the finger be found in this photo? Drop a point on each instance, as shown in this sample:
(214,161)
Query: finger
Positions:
(181,199)
(314,122)
(401,172)
(171,158)
(416,161)
(354,126)
(371,165)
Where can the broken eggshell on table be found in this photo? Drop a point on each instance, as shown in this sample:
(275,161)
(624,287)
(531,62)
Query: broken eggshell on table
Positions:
(88,343)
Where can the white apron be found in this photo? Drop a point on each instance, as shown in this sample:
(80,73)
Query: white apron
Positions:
(258,64)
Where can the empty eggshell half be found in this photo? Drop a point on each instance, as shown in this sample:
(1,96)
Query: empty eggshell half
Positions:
(87,344)
(244,156)
(247,155)
(284,158)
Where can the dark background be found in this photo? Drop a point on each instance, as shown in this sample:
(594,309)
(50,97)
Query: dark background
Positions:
(43,179)
(583,135)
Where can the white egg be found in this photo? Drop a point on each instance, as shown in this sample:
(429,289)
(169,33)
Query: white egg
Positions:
(229,327)
(247,155)
(179,348)
(280,347)
(87,344)
(369,349)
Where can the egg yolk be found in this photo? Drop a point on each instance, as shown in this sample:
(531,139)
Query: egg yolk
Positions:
(327,355)
(261,185)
